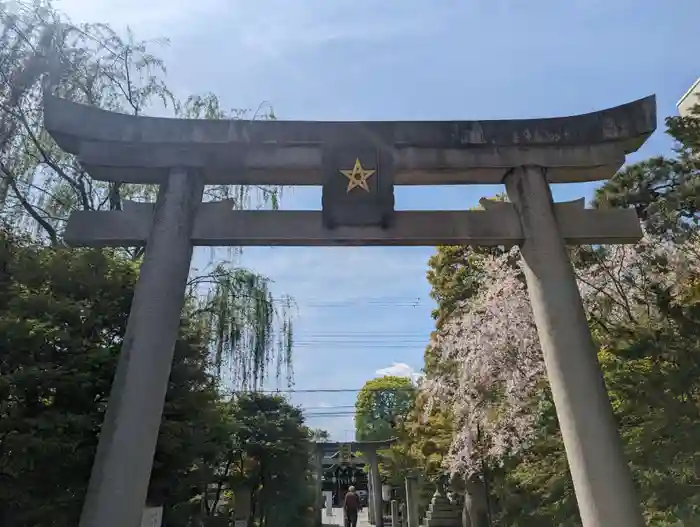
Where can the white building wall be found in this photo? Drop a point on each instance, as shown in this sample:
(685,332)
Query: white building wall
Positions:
(689,100)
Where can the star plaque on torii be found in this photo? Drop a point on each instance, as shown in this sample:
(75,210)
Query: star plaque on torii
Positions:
(358,176)
(358,187)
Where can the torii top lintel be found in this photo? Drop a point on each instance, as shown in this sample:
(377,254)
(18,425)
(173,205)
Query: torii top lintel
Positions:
(370,446)
(120,147)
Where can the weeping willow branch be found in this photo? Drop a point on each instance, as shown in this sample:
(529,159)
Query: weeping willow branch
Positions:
(250,332)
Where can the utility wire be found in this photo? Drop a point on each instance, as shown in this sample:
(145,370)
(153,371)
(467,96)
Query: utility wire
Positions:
(353,345)
(330,414)
(368,302)
(326,390)
(363,332)
(328,407)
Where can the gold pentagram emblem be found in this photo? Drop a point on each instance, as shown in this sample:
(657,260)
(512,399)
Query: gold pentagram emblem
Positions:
(357,177)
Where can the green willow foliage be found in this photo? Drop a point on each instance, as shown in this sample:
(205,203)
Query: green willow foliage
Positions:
(250,333)
(242,317)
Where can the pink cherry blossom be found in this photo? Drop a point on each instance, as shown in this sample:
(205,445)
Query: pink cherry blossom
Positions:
(491,369)
(492,343)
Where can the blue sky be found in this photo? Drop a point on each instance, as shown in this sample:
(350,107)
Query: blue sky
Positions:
(362,310)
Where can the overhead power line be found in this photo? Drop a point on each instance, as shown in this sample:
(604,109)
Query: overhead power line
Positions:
(330,416)
(374,345)
(323,390)
(324,414)
(378,333)
(387,301)
(328,407)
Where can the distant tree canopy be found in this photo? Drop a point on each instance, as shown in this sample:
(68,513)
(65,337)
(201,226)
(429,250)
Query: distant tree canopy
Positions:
(268,458)
(381,405)
(319,435)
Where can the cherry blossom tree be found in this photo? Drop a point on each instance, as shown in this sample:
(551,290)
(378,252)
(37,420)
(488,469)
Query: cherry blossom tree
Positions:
(491,368)
(490,372)
(484,371)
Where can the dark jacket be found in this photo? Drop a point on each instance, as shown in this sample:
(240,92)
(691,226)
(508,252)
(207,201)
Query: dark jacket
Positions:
(352,502)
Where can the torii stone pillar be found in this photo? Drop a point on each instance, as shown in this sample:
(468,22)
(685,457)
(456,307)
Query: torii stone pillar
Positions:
(602,480)
(318,485)
(370,499)
(376,487)
(124,458)
(395,518)
(411,501)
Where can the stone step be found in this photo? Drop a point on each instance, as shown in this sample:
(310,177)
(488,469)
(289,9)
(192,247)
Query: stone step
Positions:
(442,505)
(444,512)
(444,523)
(451,516)
(447,510)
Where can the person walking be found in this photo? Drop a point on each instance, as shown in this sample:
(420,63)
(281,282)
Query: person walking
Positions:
(351,507)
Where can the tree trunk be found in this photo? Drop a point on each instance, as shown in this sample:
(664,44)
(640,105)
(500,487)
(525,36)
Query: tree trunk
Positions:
(475,512)
(253,507)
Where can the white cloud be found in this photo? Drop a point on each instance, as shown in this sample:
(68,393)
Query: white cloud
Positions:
(398,369)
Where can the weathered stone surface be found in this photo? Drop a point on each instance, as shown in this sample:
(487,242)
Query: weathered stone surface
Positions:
(599,469)
(395,515)
(217,225)
(375,488)
(120,147)
(442,513)
(119,480)
(70,123)
(303,165)
(411,501)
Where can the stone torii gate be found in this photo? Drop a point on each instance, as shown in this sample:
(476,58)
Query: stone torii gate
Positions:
(358,164)
(369,450)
